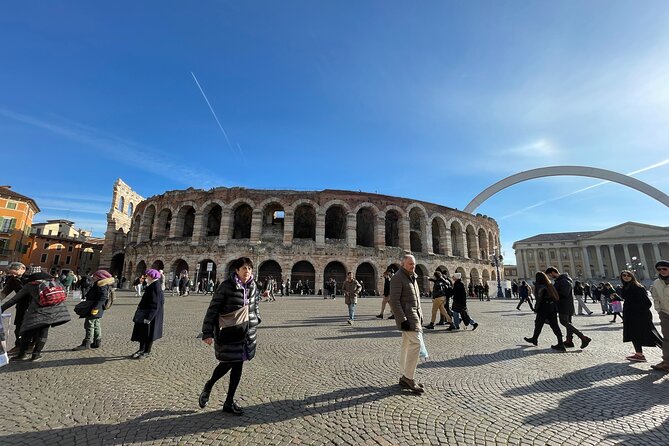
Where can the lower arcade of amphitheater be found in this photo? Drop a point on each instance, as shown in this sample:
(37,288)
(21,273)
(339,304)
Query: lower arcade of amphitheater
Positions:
(310,269)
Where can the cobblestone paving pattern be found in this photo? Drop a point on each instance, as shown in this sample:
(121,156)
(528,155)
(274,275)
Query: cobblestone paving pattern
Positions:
(317,380)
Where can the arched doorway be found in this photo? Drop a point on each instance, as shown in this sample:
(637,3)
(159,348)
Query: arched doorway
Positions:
(141,268)
(273,217)
(204,274)
(423,276)
(366,275)
(335,270)
(270,269)
(158,264)
(474,276)
(394,267)
(116,266)
(302,272)
(179,267)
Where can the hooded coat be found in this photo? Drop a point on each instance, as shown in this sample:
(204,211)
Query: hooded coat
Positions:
(97,295)
(459,296)
(150,307)
(231,296)
(35,315)
(637,318)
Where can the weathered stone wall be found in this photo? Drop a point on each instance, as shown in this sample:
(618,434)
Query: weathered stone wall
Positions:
(119,218)
(180,229)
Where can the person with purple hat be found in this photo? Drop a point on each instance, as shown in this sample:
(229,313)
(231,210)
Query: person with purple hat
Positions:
(148,317)
(94,308)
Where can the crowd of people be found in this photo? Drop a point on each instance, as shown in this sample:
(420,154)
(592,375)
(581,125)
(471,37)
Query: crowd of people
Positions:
(233,314)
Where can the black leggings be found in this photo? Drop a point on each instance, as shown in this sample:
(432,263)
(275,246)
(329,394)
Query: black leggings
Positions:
(552,319)
(638,348)
(235,376)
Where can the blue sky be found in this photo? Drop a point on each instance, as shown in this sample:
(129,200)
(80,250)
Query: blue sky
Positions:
(433,101)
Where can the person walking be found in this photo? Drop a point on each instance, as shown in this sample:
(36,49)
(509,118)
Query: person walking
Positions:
(547,311)
(230,324)
(459,306)
(84,285)
(563,286)
(587,293)
(405,305)
(616,306)
(638,325)
(605,297)
(524,294)
(579,293)
(97,297)
(148,317)
(439,291)
(660,292)
(351,289)
(386,294)
(39,315)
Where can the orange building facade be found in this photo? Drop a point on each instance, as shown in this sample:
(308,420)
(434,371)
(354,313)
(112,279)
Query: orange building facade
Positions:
(57,254)
(16,216)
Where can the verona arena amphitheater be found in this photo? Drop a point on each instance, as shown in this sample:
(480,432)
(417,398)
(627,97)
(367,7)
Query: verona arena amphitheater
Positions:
(301,235)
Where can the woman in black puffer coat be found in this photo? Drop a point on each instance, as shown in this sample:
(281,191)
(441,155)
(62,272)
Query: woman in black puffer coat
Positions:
(230,323)
(37,319)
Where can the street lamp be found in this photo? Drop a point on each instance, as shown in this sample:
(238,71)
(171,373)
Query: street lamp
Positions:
(496,259)
(634,266)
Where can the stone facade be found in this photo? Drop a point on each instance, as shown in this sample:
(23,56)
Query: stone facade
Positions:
(119,218)
(595,255)
(306,235)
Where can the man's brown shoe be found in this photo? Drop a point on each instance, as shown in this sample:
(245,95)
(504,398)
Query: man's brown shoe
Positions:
(411,385)
(663,366)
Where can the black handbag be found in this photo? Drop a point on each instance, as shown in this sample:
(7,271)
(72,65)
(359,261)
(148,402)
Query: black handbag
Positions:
(83,309)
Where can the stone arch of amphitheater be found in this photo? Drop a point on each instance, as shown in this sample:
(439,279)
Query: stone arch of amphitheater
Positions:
(308,236)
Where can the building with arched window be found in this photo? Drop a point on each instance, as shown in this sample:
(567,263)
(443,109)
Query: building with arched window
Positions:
(305,236)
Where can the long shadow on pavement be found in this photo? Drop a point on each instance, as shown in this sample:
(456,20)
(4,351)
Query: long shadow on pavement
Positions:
(593,402)
(158,425)
(20,366)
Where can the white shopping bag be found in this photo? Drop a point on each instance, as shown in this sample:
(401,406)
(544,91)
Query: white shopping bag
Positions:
(423,350)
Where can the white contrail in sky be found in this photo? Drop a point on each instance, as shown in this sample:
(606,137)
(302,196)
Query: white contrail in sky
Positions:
(549,200)
(212,110)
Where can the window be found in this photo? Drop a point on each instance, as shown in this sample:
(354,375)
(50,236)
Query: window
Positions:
(564,255)
(69,248)
(130,208)
(38,231)
(552,255)
(56,259)
(43,258)
(11,205)
(46,246)
(67,260)
(59,247)
(7,224)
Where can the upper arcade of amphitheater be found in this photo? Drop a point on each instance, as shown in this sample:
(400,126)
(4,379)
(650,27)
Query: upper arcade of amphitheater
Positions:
(346,219)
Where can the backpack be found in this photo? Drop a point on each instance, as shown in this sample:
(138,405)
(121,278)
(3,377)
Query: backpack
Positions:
(50,293)
(110,299)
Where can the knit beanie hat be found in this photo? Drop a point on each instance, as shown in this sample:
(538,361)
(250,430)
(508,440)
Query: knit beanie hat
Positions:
(101,274)
(153,273)
(663,263)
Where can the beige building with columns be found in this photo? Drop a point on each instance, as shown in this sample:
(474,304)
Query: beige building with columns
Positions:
(595,255)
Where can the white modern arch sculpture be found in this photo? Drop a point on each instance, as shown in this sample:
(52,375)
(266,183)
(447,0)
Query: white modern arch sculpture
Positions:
(579,171)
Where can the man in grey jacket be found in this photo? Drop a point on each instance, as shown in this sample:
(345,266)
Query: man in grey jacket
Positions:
(405,304)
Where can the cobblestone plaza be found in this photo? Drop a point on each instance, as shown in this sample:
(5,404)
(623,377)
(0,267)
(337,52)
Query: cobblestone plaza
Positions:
(317,380)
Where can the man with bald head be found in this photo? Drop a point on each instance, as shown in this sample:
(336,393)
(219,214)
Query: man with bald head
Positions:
(405,305)
(13,285)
